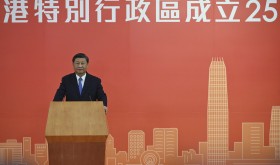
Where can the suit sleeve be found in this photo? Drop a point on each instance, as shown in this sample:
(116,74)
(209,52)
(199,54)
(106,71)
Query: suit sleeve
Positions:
(60,93)
(101,95)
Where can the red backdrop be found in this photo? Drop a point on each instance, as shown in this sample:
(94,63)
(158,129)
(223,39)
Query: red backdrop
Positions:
(155,74)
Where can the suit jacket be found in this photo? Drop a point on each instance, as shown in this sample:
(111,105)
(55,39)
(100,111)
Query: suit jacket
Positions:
(92,89)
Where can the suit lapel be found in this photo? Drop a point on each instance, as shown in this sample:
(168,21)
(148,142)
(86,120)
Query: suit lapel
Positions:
(75,84)
(86,84)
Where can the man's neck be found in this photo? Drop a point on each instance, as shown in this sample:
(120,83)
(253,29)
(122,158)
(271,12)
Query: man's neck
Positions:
(80,75)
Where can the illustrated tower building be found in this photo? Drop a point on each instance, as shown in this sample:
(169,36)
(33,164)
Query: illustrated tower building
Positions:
(10,152)
(28,158)
(166,143)
(253,142)
(217,114)
(274,134)
(136,145)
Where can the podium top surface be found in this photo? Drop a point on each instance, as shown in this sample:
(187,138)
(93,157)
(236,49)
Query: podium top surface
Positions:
(76,119)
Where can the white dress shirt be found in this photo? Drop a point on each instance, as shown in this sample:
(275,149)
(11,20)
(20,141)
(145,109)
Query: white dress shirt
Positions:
(83,77)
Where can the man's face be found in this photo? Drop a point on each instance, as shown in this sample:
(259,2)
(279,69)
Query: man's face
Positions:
(80,66)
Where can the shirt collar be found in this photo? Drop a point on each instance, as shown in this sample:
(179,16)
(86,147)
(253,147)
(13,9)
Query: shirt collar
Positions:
(83,77)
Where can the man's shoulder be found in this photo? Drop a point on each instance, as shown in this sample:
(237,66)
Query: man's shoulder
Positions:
(92,77)
(71,75)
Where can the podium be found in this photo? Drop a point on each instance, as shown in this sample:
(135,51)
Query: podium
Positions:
(76,133)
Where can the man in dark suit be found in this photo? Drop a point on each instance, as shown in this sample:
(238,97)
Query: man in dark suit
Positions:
(81,86)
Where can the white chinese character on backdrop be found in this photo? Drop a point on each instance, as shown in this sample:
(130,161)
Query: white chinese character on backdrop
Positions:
(49,8)
(110,7)
(79,9)
(229,18)
(132,8)
(167,11)
(199,8)
(16,9)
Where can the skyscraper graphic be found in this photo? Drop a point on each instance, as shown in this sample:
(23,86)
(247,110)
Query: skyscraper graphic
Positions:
(41,152)
(28,158)
(253,142)
(136,145)
(11,152)
(166,143)
(110,151)
(274,134)
(217,114)
(26,147)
